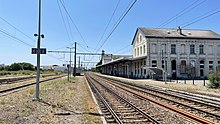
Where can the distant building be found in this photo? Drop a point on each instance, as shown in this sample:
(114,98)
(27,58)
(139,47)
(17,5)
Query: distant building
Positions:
(54,67)
(178,52)
(2,65)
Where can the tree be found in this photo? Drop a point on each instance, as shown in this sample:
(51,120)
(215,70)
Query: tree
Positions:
(15,67)
(214,79)
(27,66)
(2,68)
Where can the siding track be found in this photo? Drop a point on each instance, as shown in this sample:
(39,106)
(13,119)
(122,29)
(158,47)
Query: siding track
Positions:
(14,89)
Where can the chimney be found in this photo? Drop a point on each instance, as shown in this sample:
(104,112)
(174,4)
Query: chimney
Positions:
(179,30)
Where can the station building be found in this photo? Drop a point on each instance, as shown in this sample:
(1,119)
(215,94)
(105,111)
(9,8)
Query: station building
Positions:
(177,53)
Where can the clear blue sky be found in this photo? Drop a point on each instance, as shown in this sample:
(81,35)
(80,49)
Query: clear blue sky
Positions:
(91,18)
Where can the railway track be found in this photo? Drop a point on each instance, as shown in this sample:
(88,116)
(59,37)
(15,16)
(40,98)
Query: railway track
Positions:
(176,104)
(12,89)
(204,107)
(116,108)
(9,80)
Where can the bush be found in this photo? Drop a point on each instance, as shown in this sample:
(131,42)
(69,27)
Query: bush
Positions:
(214,79)
(15,67)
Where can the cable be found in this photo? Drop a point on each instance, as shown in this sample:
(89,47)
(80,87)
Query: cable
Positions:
(115,27)
(64,21)
(17,29)
(199,18)
(122,49)
(14,38)
(74,24)
(108,23)
(181,13)
(55,57)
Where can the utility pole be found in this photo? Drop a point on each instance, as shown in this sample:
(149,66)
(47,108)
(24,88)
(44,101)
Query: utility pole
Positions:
(79,63)
(75,61)
(70,69)
(38,53)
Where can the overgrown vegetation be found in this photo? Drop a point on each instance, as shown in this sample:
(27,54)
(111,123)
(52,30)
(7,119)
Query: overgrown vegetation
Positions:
(214,79)
(17,67)
(23,69)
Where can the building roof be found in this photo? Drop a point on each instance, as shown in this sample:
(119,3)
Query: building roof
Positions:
(178,33)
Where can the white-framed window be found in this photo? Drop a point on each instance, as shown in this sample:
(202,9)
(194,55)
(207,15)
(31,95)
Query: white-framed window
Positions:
(141,50)
(192,49)
(202,64)
(140,38)
(201,49)
(135,52)
(218,64)
(211,67)
(154,63)
(173,48)
(138,51)
(144,48)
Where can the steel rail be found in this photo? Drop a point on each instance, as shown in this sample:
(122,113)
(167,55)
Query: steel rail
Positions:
(182,96)
(113,113)
(21,78)
(26,85)
(142,89)
(130,104)
(179,111)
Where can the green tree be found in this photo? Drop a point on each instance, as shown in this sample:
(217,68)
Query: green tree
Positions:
(2,68)
(7,68)
(27,66)
(214,79)
(15,67)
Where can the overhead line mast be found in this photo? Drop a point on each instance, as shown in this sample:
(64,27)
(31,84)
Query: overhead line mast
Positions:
(38,54)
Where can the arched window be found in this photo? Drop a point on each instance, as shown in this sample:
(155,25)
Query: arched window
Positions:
(140,38)
(144,49)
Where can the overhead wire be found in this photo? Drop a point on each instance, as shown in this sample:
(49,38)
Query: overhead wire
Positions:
(14,38)
(77,29)
(116,25)
(122,49)
(65,25)
(110,20)
(201,17)
(17,29)
(181,13)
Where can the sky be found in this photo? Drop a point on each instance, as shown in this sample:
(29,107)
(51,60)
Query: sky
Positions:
(84,21)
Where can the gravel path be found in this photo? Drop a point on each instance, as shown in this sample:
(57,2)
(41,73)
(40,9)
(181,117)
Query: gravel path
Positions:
(62,102)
